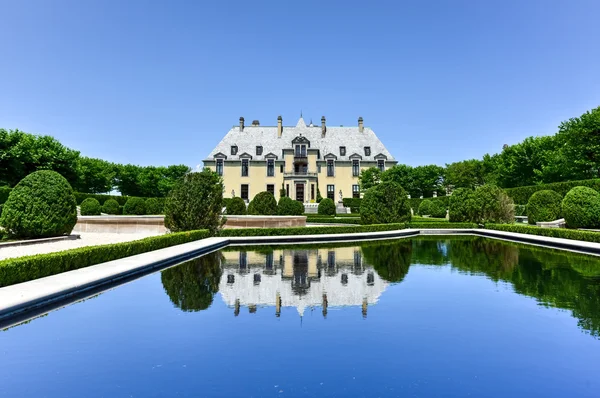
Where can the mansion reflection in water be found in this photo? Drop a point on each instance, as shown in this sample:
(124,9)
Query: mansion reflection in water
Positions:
(303,278)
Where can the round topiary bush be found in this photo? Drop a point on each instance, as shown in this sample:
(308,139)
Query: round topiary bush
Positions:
(581,208)
(425,208)
(111,206)
(386,202)
(544,206)
(326,207)
(90,207)
(263,204)
(236,206)
(462,206)
(135,207)
(41,205)
(154,206)
(289,207)
(438,209)
(196,202)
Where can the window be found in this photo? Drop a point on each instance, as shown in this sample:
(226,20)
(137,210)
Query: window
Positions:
(330,259)
(356,191)
(355,168)
(244,167)
(300,151)
(243,260)
(258,150)
(287,190)
(381,164)
(234,149)
(331,192)
(281,168)
(330,168)
(269,261)
(367,151)
(318,168)
(312,191)
(220,167)
(271,189)
(270,168)
(342,151)
(244,192)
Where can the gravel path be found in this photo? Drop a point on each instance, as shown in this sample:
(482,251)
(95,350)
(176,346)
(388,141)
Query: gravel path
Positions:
(87,239)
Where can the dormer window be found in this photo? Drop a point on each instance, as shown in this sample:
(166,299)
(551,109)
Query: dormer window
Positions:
(342,151)
(234,150)
(259,150)
(367,151)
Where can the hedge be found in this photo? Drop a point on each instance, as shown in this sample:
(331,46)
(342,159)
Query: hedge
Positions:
(309,230)
(4,192)
(417,219)
(521,195)
(332,220)
(22,269)
(338,215)
(440,225)
(564,233)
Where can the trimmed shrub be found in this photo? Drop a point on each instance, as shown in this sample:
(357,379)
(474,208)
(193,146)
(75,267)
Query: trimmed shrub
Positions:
(440,225)
(326,207)
(581,208)
(111,206)
(521,195)
(22,269)
(588,236)
(332,220)
(289,207)
(544,206)
(493,205)
(310,230)
(154,206)
(41,205)
(462,206)
(90,207)
(438,209)
(80,197)
(416,202)
(263,204)
(236,206)
(135,207)
(425,208)
(4,192)
(520,210)
(196,202)
(386,202)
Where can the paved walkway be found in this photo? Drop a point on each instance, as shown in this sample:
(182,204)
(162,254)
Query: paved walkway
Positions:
(87,239)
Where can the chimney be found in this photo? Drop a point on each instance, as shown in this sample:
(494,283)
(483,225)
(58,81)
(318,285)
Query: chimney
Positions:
(361,127)
(241,124)
(279,126)
(323,127)
(255,123)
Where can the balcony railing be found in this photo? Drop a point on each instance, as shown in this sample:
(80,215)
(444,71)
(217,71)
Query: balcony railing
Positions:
(299,174)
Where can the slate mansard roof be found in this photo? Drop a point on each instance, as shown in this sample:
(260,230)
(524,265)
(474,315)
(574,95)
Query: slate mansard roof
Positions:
(335,137)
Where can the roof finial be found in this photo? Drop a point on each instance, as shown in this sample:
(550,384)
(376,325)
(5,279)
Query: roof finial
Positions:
(300,112)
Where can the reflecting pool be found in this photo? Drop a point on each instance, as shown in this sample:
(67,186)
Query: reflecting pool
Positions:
(423,317)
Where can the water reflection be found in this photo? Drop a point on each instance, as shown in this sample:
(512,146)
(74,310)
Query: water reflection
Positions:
(299,278)
(271,278)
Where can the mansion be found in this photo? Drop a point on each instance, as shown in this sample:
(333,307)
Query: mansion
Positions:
(303,159)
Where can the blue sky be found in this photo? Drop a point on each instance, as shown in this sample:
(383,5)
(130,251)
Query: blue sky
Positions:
(157,82)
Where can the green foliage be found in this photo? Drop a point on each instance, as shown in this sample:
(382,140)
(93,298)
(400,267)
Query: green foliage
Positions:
(462,205)
(416,202)
(236,206)
(588,236)
(23,153)
(149,181)
(80,197)
(192,286)
(353,204)
(155,206)
(493,205)
(41,205)
(439,225)
(196,202)
(326,207)
(581,208)
(111,206)
(438,209)
(263,204)
(4,192)
(385,203)
(310,230)
(425,208)
(135,207)
(391,260)
(417,181)
(465,174)
(289,207)
(22,269)
(319,197)
(368,178)
(419,219)
(95,175)
(90,207)
(521,195)
(544,206)
(332,220)
(520,210)
(581,147)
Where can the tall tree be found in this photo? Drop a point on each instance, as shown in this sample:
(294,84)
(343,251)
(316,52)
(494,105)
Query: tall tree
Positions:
(368,178)
(582,143)
(465,174)
(95,175)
